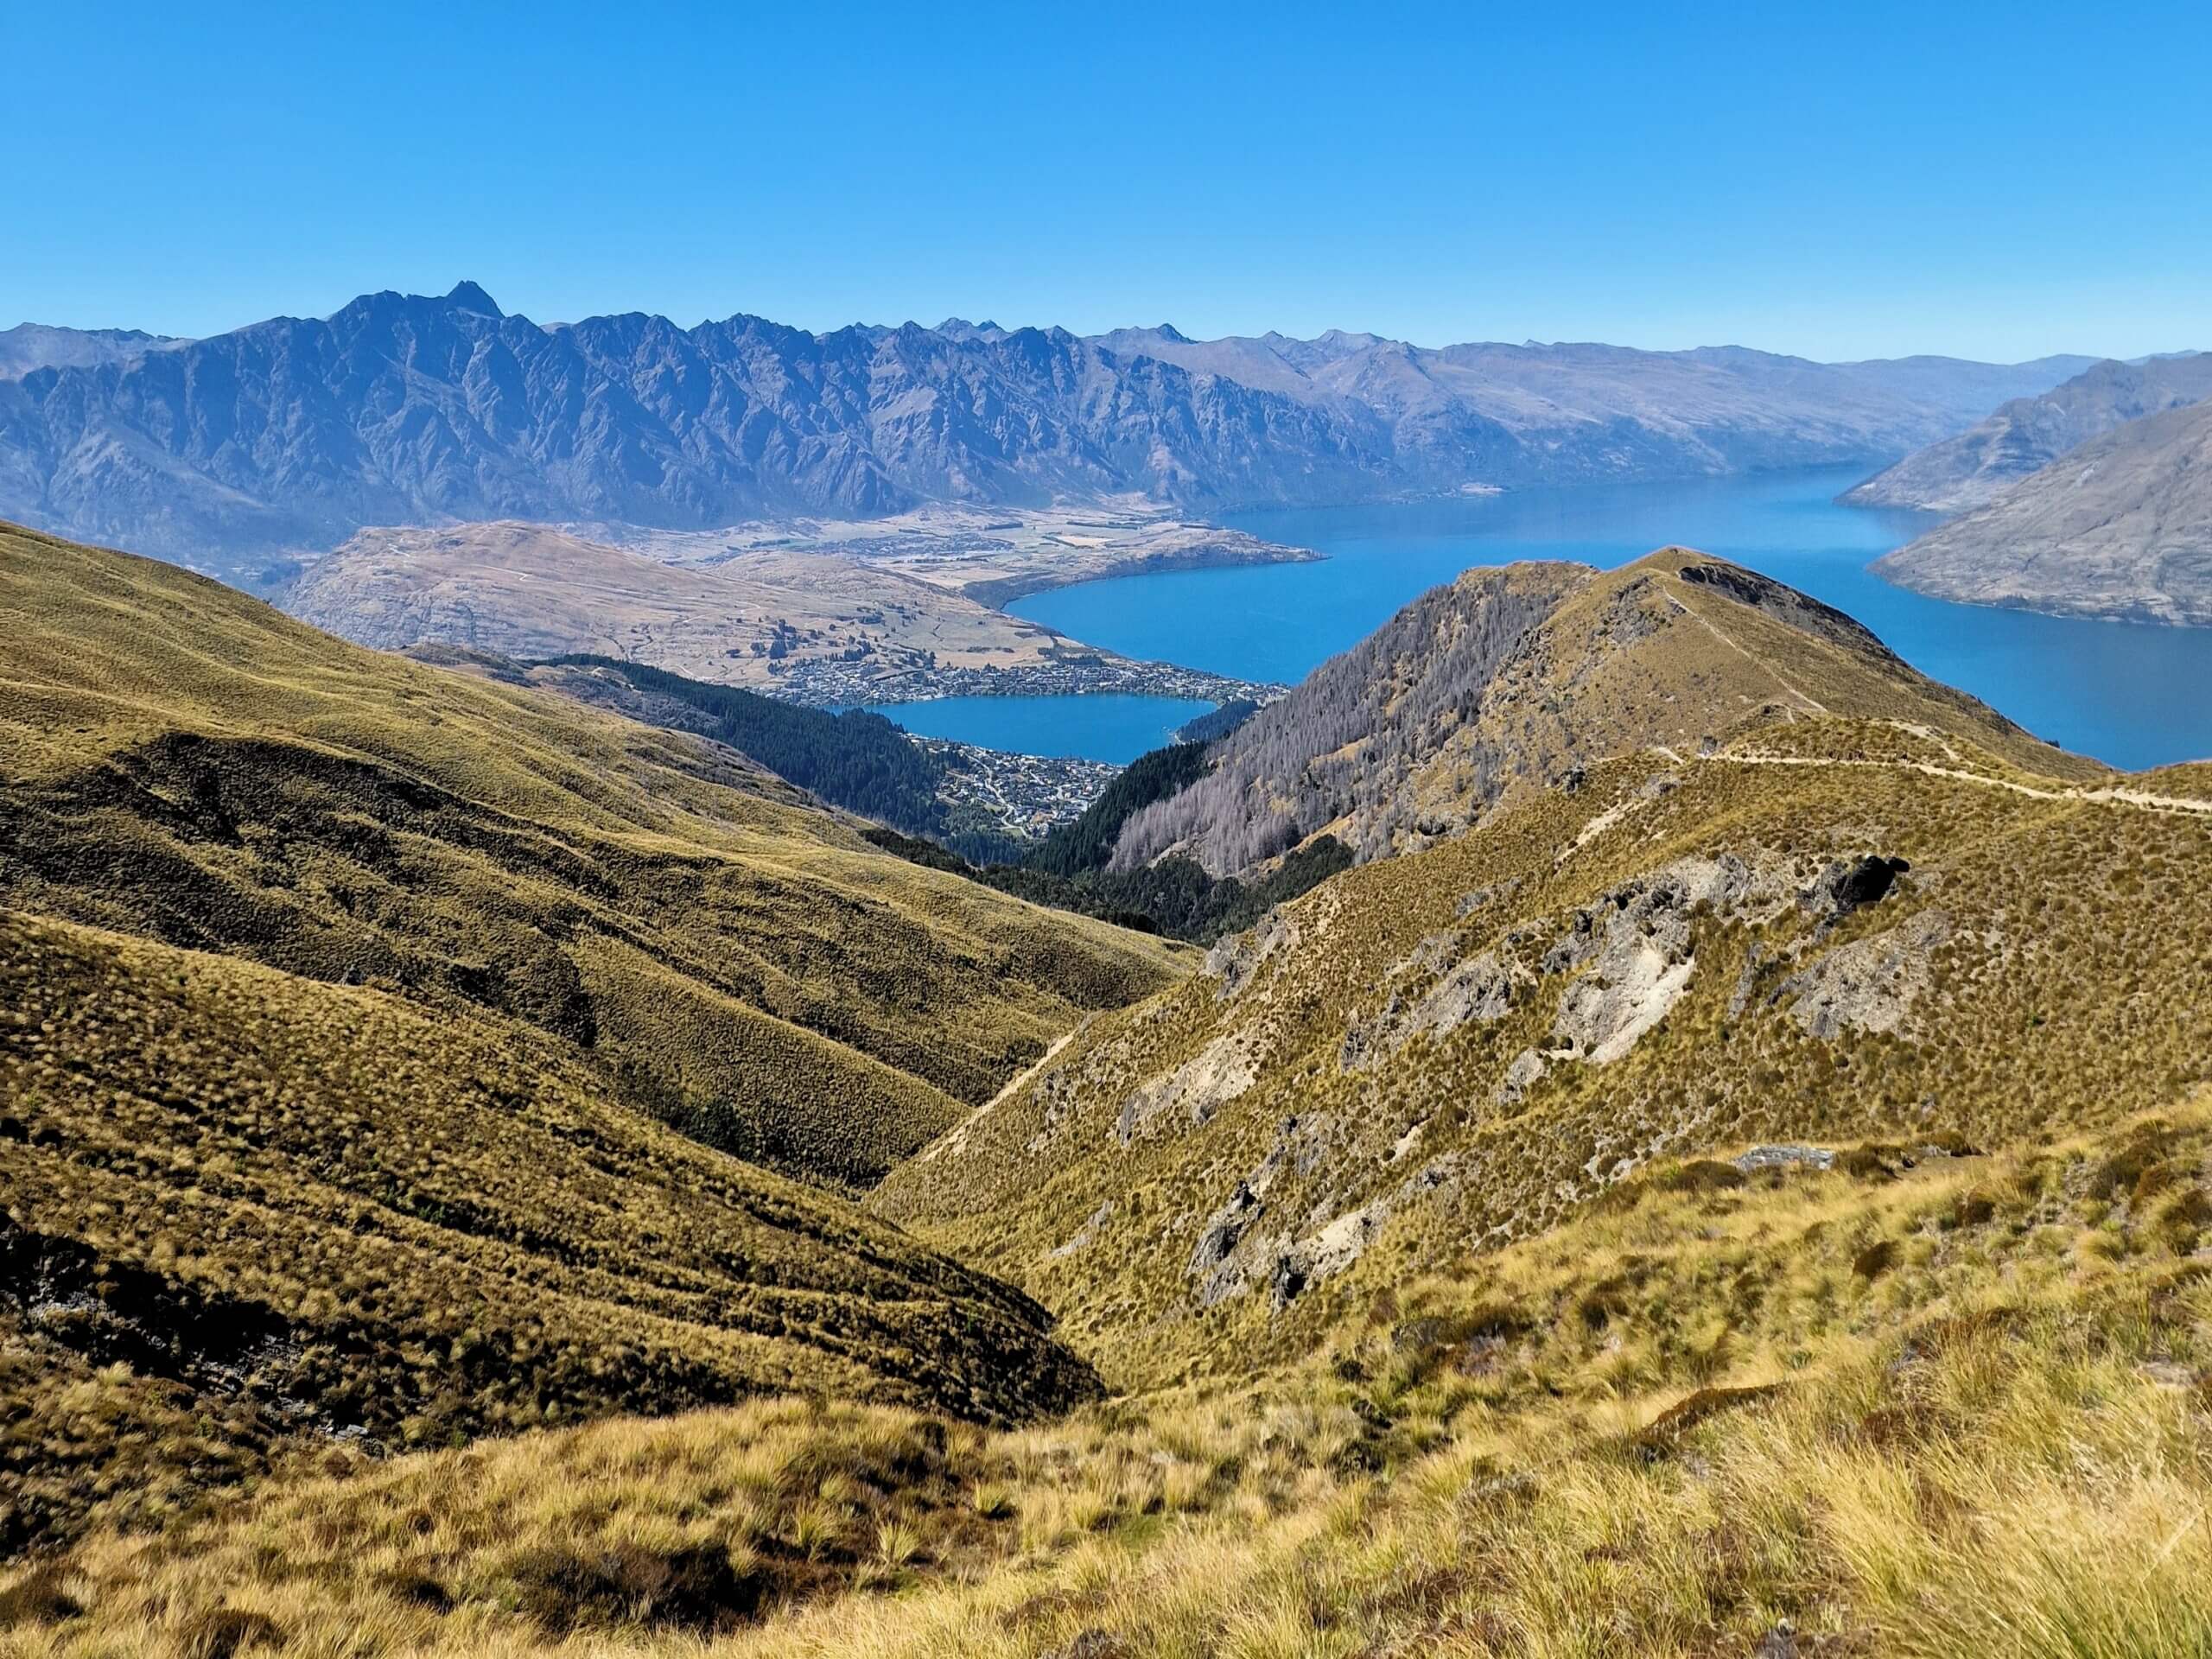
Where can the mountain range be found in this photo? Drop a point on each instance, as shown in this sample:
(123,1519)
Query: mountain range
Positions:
(291,435)
(2119,528)
(2027,433)
(30,345)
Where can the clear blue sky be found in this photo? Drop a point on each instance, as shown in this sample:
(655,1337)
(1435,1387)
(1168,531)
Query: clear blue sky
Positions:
(1995,181)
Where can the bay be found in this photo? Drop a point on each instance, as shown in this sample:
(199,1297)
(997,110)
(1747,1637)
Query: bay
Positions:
(2132,694)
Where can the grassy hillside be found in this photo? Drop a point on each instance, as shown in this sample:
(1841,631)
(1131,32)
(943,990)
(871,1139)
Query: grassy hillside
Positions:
(1913,1404)
(1685,949)
(1751,1192)
(349,1005)
(243,1207)
(186,763)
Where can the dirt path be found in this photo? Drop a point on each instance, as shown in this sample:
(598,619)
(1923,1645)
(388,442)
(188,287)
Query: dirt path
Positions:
(2111,795)
(956,1137)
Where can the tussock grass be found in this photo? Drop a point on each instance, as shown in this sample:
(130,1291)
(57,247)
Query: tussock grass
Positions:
(2004,1446)
(186,763)
(2069,983)
(341,997)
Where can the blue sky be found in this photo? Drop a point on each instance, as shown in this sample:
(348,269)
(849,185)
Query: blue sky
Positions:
(1993,180)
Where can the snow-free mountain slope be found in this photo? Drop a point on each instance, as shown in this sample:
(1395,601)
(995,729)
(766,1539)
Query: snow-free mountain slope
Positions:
(2023,437)
(2118,528)
(291,435)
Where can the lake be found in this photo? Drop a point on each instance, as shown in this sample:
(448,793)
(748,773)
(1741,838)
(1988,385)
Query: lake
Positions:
(2131,695)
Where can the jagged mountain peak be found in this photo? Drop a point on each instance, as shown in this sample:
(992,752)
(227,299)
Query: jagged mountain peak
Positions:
(467,296)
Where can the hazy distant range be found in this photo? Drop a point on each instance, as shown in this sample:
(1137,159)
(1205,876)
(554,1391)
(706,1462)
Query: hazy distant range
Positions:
(288,436)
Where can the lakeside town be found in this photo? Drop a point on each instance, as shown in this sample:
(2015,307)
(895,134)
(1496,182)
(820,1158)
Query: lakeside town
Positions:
(833,683)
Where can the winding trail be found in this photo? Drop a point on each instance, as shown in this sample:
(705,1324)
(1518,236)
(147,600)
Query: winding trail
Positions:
(2110,795)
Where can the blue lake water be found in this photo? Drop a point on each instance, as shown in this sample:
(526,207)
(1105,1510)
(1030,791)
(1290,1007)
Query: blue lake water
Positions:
(2134,696)
(1107,727)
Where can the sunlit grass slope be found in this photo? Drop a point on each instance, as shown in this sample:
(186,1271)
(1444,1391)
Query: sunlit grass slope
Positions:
(1470,1042)
(244,1208)
(349,1007)
(1918,1403)
(184,762)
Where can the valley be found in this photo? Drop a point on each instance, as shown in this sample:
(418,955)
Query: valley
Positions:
(1500,949)
(1774,1109)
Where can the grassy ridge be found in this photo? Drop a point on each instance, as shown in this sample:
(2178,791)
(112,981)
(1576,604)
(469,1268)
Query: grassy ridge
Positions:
(342,995)
(1415,1054)
(854,759)
(318,1207)
(185,763)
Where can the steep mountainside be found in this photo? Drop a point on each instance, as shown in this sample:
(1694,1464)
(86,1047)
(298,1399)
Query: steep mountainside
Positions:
(2120,528)
(1846,913)
(2028,434)
(1464,412)
(1457,1186)
(351,1006)
(293,434)
(1511,680)
(186,763)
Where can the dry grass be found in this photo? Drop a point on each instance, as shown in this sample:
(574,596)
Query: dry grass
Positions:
(341,997)
(290,1211)
(184,763)
(1670,1427)
(2068,981)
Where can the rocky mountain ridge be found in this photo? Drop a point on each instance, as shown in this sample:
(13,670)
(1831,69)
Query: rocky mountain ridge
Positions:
(30,345)
(1854,904)
(1515,679)
(1971,470)
(291,435)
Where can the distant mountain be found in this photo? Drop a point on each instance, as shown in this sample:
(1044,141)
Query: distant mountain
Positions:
(31,346)
(291,435)
(1508,681)
(2120,527)
(1970,470)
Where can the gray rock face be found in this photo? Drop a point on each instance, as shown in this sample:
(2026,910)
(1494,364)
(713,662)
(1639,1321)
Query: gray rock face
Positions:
(1786,1157)
(1871,984)
(2026,434)
(292,434)
(2119,528)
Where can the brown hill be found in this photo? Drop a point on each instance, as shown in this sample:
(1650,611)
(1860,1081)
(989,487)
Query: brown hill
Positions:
(1859,908)
(350,1003)
(1508,681)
